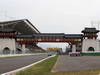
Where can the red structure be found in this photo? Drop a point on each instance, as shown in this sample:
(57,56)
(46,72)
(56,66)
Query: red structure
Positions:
(50,37)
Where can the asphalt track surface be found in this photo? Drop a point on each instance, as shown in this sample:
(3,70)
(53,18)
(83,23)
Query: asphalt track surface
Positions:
(66,63)
(9,64)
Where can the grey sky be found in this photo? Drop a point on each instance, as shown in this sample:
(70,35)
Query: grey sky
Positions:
(65,16)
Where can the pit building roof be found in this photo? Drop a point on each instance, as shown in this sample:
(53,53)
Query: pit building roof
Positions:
(23,26)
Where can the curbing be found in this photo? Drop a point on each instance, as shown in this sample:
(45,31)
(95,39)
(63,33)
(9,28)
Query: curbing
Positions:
(14,71)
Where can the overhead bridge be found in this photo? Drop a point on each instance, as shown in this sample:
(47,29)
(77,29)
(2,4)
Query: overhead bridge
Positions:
(49,37)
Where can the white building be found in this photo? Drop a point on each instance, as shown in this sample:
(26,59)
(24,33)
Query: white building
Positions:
(90,42)
(8,32)
(17,37)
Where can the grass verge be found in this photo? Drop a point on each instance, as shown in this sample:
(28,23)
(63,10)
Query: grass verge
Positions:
(44,68)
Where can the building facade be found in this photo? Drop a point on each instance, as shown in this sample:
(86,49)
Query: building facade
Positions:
(8,36)
(90,42)
(21,36)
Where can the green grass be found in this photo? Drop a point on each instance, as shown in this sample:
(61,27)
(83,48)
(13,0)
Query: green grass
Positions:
(85,72)
(44,68)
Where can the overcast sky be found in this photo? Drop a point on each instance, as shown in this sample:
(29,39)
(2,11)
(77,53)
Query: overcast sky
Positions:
(63,16)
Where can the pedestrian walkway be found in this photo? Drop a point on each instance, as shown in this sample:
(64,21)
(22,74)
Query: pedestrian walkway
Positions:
(66,63)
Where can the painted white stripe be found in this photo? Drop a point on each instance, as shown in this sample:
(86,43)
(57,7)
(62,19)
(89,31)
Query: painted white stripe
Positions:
(11,55)
(14,71)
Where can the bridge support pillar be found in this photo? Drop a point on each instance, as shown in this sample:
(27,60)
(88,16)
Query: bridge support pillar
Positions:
(73,48)
(23,48)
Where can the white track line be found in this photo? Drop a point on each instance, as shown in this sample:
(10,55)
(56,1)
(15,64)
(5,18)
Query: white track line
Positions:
(12,55)
(14,71)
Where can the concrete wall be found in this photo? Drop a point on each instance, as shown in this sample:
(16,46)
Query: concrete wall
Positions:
(91,43)
(7,42)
